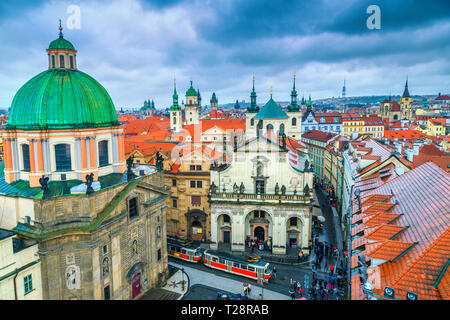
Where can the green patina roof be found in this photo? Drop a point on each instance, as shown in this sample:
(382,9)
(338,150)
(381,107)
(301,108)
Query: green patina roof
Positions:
(61,43)
(175,107)
(271,110)
(61,99)
(191,92)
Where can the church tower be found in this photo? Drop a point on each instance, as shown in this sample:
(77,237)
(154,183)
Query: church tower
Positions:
(406,103)
(192,107)
(250,123)
(295,116)
(175,111)
(214,102)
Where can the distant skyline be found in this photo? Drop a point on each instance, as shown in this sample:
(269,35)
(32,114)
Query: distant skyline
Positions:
(135,48)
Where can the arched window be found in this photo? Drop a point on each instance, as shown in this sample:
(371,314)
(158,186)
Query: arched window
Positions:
(293,221)
(62,157)
(252,122)
(103,159)
(26,157)
(174,120)
(294,121)
(61,61)
(269,127)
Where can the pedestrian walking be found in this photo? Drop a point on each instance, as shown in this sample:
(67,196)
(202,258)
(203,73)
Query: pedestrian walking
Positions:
(249,289)
(295,285)
(292,293)
(325,266)
(274,272)
(300,256)
(331,269)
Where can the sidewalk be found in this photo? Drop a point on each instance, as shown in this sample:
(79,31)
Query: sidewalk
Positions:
(226,284)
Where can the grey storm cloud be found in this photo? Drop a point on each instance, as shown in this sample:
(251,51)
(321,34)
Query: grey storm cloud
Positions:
(135,48)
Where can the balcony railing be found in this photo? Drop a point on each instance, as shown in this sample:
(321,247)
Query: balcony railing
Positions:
(230,196)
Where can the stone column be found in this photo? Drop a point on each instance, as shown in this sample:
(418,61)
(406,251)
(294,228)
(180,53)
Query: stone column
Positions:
(31,151)
(84,155)
(78,162)
(279,235)
(214,237)
(238,231)
(7,154)
(39,155)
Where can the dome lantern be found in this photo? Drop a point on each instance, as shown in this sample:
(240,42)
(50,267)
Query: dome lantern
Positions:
(61,53)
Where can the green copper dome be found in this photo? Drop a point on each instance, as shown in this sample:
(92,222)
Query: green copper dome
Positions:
(61,43)
(61,99)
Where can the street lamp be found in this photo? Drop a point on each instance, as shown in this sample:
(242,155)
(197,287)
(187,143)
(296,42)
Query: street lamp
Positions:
(182,278)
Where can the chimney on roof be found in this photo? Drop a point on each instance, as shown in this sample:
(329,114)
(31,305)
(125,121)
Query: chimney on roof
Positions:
(409,153)
(416,149)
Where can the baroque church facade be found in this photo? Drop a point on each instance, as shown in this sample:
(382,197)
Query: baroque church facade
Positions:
(265,192)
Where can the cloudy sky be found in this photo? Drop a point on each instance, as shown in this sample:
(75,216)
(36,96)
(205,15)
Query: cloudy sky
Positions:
(135,48)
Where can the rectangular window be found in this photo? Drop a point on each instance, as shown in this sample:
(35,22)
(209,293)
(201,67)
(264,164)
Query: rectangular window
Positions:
(226,218)
(105,249)
(174,203)
(63,158)
(71,62)
(132,208)
(199,168)
(61,61)
(193,184)
(196,200)
(28,283)
(192,167)
(53,61)
(159,254)
(199,184)
(260,186)
(174,182)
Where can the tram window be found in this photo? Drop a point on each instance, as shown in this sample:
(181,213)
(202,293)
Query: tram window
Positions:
(214,259)
(183,251)
(236,265)
(222,261)
(250,268)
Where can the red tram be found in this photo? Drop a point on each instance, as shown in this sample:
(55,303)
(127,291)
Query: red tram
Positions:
(183,250)
(221,261)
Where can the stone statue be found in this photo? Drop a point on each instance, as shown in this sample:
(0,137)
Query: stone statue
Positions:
(306,190)
(306,165)
(277,188)
(130,174)
(235,188)
(213,187)
(283,190)
(283,140)
(259,169)
(44,185)
(242,188)
(89,180)
(159,161)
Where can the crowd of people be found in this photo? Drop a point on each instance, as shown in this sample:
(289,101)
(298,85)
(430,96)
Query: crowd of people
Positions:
(259,244)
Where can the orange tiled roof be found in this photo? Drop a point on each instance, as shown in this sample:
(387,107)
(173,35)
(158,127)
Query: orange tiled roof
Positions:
(390,250)
(423,196)
(385,232)
(380,218)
